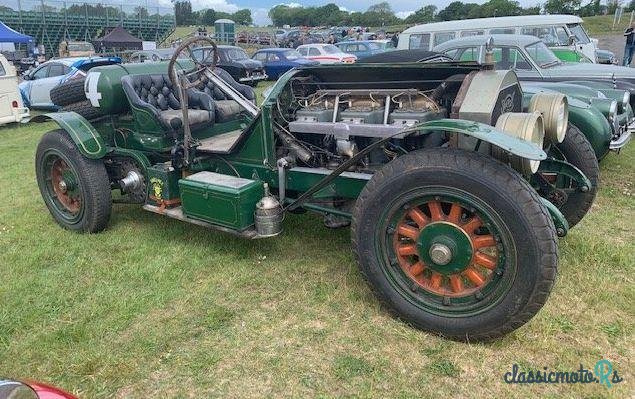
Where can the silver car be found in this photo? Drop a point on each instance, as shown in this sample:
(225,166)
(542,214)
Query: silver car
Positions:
(531,59)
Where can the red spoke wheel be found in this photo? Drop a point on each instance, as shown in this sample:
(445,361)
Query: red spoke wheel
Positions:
(75,189)
(455,243)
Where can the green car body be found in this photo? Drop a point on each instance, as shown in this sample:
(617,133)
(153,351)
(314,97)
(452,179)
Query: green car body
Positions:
(449,171)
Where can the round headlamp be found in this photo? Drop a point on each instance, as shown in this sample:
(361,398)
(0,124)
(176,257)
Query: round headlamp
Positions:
(555,113)
(528,127)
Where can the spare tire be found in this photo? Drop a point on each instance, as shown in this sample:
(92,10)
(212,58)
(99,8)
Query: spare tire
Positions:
(85,109)
(68,92)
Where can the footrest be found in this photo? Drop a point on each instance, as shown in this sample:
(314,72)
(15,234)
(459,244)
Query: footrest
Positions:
(220,144)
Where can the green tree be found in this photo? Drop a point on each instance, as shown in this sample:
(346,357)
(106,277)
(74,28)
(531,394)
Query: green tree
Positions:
(561,6)
(208,16)
(183,13)
(457,10)
(243,17)
(423,15)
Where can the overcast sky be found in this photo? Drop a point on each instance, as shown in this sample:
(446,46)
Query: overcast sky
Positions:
(260,8)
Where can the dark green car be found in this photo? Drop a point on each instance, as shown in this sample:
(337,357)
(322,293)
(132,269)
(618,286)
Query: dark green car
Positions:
(443,178)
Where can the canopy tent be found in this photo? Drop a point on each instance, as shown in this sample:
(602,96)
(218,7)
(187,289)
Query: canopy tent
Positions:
(8,35)
(118,38)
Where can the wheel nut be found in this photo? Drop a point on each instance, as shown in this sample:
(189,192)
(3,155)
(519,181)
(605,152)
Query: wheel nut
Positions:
(440,254)
(62,186)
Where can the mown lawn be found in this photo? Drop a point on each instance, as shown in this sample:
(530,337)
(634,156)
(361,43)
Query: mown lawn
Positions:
(153,307)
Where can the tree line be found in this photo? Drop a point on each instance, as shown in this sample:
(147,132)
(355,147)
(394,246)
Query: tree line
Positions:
(381,14)
(185,16)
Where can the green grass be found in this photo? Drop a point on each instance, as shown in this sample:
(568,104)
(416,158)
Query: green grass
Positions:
(154,307)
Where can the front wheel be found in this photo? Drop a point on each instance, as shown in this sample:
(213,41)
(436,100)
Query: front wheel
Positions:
(455,243)
(75,189)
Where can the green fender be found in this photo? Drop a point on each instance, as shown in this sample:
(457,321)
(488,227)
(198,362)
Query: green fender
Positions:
(486,133)
(559,221)
(87,139)
(563,168)
(593,124)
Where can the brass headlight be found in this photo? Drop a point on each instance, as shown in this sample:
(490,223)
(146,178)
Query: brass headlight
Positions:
(528,127)
(555,113)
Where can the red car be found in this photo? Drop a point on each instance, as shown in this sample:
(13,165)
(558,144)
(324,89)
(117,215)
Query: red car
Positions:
(31,390)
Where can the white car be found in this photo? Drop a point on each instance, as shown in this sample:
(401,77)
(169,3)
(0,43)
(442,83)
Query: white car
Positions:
(326,54)
(11,107)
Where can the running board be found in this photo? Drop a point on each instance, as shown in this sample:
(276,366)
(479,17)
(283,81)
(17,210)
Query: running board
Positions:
(177,213)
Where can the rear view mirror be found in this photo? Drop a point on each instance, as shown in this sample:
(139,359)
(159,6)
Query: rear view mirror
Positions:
(572,39)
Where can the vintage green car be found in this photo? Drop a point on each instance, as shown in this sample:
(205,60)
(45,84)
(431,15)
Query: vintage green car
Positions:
(436,168)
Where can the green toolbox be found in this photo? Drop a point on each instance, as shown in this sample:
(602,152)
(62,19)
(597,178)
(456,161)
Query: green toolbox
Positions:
(225,200)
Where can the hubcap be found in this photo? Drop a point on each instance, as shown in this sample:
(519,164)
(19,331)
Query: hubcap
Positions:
(64,190)
(440,254)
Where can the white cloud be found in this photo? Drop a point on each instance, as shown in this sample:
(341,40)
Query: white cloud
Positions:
(290,5)
(261,16)
(404,14)
(342,8)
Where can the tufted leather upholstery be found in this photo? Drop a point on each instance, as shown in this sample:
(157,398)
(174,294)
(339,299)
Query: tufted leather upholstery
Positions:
(156,94)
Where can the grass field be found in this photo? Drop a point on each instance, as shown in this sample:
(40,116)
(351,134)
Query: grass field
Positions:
(153,307)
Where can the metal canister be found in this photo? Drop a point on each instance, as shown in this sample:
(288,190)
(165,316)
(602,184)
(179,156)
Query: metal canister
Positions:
(269,215)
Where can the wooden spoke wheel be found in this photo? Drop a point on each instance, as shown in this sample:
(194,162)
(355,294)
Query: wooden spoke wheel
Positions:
(444,248)
(455,243)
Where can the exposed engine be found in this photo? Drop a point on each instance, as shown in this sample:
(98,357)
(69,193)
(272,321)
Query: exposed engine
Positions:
(323,127)
(323,124)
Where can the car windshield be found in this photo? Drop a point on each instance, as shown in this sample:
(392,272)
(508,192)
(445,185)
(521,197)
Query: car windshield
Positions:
(580,33)
(292,55)
(331,49)
(540,53)
(374,46)
(236,54)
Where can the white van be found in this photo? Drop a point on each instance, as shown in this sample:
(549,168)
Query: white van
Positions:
(563,32)
(11,107)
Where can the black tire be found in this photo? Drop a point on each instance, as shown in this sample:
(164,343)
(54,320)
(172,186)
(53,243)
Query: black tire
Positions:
(85,109)
(68,92)
(578,151)
(93,186)
(528,265)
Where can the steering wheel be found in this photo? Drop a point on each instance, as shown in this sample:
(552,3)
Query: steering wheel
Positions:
(185,51)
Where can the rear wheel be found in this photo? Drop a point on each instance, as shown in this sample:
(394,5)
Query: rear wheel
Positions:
(75,189)
(455,243)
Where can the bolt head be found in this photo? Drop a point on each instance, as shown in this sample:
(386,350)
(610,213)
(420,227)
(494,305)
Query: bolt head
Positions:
(62,186)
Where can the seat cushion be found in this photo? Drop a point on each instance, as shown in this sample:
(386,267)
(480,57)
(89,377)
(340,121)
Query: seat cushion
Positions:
(226,110)
(195,116)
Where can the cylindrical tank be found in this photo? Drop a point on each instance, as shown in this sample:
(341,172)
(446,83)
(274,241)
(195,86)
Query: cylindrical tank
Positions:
(225,31)
(103,84)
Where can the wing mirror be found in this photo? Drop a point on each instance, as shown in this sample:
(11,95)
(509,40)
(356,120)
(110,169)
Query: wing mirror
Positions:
(572,40)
